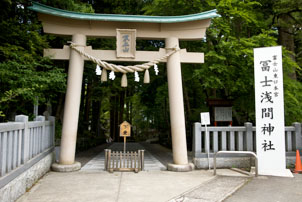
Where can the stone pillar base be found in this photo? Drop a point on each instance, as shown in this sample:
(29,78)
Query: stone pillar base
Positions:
(66,168)
(181,168)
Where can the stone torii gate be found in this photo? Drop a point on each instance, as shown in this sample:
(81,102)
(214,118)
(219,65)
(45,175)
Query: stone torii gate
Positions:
(83,25)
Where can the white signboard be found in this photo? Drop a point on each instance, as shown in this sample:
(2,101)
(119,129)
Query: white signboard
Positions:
(205,118)
(270,111)
(223,113)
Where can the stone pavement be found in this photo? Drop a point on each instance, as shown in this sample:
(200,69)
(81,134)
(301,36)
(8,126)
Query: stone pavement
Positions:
(147,186)
(97,163)
(271,189)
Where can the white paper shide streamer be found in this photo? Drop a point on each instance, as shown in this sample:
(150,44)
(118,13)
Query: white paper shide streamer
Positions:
(156,69)
(112,75)
(136,76)
(98,70)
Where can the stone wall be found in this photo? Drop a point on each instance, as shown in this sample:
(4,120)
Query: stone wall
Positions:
(17,187)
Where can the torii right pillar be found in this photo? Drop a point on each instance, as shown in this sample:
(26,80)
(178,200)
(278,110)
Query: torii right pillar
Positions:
(177,115)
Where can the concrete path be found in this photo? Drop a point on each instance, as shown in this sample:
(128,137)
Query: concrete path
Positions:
(215,190)
(122,187)
(93,184)
(148,186)
(86,156)
(272,189)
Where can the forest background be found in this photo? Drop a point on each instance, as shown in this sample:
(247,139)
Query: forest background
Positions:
(27,78)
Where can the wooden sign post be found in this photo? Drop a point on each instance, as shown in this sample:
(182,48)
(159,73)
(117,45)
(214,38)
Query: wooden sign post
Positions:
(205,120)
(125,131)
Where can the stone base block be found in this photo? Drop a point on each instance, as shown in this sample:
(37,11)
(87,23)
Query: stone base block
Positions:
(66,168)
(279,173)
(180,168)
(235,162)
(224,162)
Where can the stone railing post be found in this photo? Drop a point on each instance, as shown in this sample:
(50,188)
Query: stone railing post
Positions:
(25,137)
(3,153)
(298,136)
(53,131)
(196,139)
(249,136)
(41,141)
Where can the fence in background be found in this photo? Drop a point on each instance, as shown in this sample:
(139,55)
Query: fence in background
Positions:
(241,138)
(23,143)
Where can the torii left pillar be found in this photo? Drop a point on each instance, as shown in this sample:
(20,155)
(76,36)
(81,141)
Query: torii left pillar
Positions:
(67,161)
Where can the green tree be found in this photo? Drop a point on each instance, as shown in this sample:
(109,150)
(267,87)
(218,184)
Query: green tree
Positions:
(226,74)
(24,73)
(228,47)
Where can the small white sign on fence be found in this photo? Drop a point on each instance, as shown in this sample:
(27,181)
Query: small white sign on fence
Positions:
(270,111)
(205,118)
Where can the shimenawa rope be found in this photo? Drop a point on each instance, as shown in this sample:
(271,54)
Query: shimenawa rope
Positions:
(121,68)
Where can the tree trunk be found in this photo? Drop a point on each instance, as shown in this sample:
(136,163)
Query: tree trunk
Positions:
(87,103)
(112,117)
(121,104)
(131,113)
(60,108)
(286,38)
(96,117)
(116,124)
(238,28)
(187,102)
(128,105)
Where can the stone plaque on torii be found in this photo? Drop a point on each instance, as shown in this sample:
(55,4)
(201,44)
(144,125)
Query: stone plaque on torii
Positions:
(168,28)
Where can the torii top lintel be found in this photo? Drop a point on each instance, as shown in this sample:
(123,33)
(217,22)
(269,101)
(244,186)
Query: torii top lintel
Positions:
(62,22)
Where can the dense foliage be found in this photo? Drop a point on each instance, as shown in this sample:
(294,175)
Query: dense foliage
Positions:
(226,74)
(25,74)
